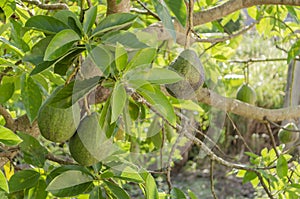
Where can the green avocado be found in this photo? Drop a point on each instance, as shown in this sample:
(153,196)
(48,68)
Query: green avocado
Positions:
(89,144)
(57,124)
(187,65)
(286,136)
(246,93)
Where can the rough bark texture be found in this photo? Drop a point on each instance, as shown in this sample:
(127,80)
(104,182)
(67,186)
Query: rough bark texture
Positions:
(231,6)
(114,7)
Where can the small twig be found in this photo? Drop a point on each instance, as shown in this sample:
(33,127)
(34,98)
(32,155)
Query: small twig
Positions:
(56,6)
(150,12)
(264,185)
(281,127)
(89,3)
(189,25)
(272,138)
(212,188)
(239,133)
(252,60)
(58,160)
(225,38)
(162,145)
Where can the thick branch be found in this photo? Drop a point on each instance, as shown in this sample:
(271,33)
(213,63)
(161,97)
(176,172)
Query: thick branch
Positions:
(7,117)
(231,6)
(56,6)
(211,98)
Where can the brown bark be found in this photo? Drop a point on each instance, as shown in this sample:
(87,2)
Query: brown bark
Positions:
(114,7)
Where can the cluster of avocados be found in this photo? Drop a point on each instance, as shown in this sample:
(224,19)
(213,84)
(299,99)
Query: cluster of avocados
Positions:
(60,125)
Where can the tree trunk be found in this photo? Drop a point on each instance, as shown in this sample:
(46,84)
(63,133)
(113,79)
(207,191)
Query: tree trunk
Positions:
(114,7)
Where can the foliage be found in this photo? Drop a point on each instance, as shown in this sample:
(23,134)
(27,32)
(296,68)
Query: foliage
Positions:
(115,69)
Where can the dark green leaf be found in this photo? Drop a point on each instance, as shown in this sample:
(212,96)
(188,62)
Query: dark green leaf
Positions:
(178,7)
(134,110)
(69,18)
(154,133)
(59,170)
(34,152)
(31,96)
(156,76)
(249,175)
(60,44)
(101,57)
(38,191)
(117,191)
(118,101)
(8,137)
(70,183)
(159,102)
(3,182)
(45,24)
(282,167)
(7,88)
(22,180)
(127,39)
(89,19)
(142,58)
(62,65)
(96,193)
(177,193)
(121,57)
(36,56)
(72,92)
(114,22)
(165,17)
(151,188)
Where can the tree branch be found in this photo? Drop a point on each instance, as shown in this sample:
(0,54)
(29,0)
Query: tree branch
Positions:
(211,98)
(56,6)
(7,117)
(231,6)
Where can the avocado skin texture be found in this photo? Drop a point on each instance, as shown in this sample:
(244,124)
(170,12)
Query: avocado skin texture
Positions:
(187,65)
(57,124)
(246,93)
(89,144)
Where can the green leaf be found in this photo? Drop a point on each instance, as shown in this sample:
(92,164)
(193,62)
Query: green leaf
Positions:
(22,180)
(46,24)
(187,105)
(282,167)
(7,89)
(114,22)
(73,92)
(121,57)
(69,18)
(159,102)
(142,58)
(34,152)
(249,175)
(60,44)
(31,96)
(117,191)
(177,193)
(192,195)
(154,133)
(118,101)
(178,8)
(3,182)
(36,56)
(8,137)
(101,57)
(131,175)
(38,191)
(155,76)
(165,17)
(127,39)
(151,188)
(294,51)
(70,183)
(89,19)
(59,170)
(12,46)
(8,6)
(96,193)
